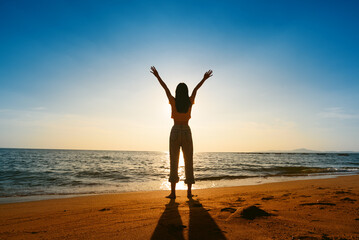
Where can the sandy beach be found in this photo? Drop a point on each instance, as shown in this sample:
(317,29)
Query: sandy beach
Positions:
(306,209)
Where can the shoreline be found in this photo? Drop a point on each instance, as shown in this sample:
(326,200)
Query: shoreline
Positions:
(250,181)
(303,209)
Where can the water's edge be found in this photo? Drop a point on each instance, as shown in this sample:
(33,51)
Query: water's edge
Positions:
(231,183)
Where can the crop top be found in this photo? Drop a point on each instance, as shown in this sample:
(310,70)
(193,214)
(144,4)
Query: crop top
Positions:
(181,117)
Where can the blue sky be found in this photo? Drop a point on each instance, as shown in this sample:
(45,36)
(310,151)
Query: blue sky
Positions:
(75,74)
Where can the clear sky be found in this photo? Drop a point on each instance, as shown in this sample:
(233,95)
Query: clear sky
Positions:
(75,74)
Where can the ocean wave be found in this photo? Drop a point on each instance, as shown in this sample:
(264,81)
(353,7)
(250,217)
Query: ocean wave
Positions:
(216,178)
(349,169)
(102,174)
(302,169)
(282,170)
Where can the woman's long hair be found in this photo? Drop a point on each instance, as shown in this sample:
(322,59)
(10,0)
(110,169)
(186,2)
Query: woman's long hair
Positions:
(182,99)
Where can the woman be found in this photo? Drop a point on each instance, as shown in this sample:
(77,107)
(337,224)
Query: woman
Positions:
(181,135)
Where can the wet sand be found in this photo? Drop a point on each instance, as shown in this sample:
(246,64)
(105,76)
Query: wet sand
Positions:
(306,209)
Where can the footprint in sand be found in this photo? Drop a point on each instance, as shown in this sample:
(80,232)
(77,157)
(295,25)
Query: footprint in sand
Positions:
(318,203)
(267,198)
(342,191)
(348,200)
(228,209)
(304,196)
(240,200)
(105,209)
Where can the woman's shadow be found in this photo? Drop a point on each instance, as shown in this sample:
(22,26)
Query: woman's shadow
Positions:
(201,224)
(169,225)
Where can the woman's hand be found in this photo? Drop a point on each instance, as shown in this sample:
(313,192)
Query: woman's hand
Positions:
(207,75)
(163,84)
(154,72)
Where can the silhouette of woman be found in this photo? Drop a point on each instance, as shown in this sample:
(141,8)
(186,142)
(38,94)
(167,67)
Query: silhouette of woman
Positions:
(181,135)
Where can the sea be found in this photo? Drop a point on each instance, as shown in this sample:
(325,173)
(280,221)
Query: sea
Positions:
(36,174)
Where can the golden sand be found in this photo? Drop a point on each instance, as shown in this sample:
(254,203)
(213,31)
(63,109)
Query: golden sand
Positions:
(305,209)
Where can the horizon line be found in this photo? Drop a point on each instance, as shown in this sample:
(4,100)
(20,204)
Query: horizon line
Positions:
(266,151)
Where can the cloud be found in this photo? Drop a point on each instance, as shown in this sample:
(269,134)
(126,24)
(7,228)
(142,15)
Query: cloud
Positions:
(337,113)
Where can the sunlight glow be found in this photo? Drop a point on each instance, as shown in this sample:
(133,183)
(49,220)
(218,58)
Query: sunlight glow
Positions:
(181,160)
(165,185)
(181,186)
(166,109)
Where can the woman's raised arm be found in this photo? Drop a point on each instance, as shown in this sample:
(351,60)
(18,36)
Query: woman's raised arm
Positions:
(163,84)
(207,75)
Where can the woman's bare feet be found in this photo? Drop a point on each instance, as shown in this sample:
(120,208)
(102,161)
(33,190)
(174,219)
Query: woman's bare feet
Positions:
(189,191)
(171,196)
(189,194)
(173,191)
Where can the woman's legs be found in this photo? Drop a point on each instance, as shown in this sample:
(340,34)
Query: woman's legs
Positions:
(187,149)
(181,137)
(174,157)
